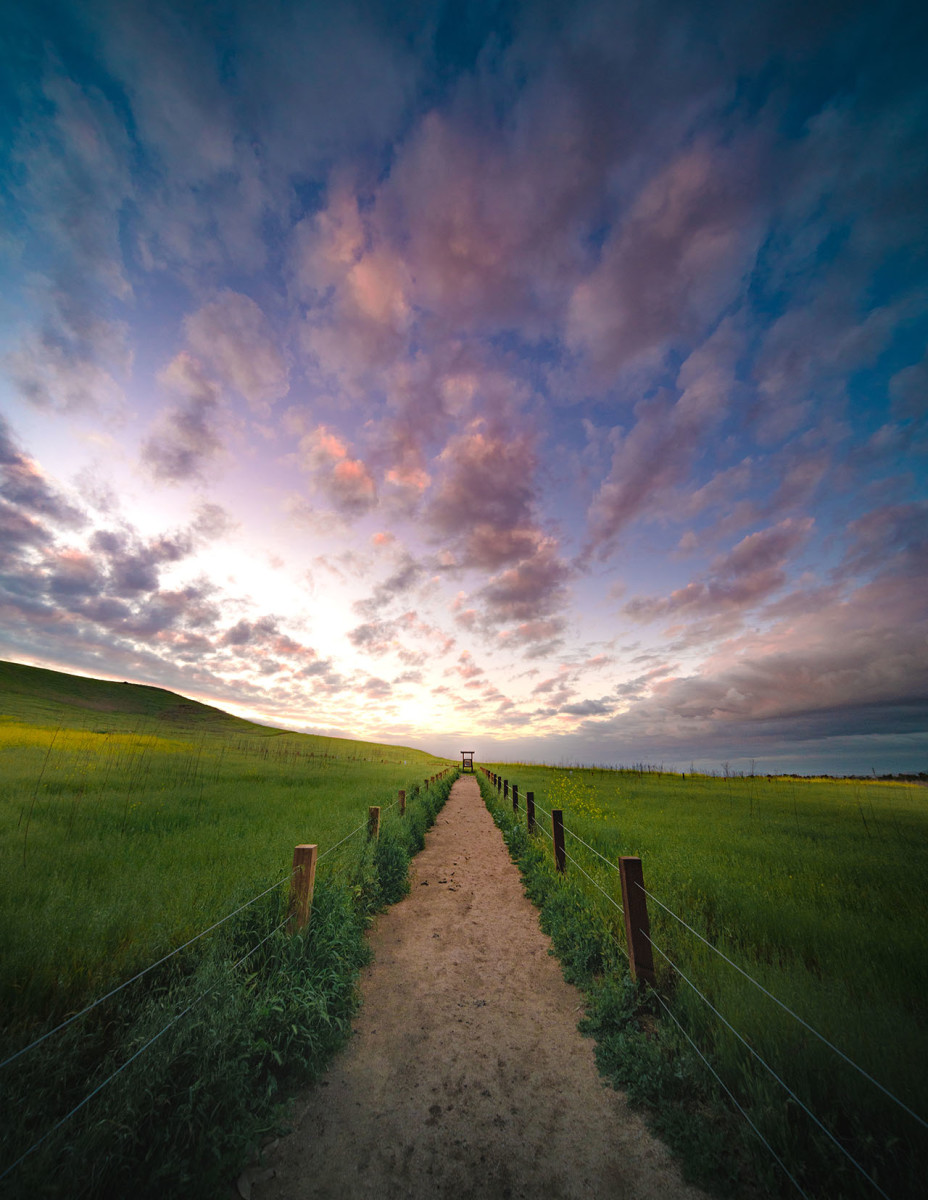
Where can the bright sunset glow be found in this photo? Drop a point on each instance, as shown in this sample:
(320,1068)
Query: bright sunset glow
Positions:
(547,379)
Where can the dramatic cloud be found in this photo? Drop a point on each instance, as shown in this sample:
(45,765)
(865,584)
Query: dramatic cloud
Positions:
(345,481)
(678,260)
(483,502)
(186,436)
(532,589)
(602,334)
(23,485)
(749,574)
(232,335)
(655,456)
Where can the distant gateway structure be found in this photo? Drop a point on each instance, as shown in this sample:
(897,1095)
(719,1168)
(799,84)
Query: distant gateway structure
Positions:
(467,761)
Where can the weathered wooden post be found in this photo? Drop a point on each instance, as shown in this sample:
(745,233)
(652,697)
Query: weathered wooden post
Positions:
(499,783)
(373,822)
(505,789)
(637,926)
(515,797)
(557,825)
(302,882)
(530,810)
(401,797)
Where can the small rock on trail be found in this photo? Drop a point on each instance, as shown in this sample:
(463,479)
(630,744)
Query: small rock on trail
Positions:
(467,1076)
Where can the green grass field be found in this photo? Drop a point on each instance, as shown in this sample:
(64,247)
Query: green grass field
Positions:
(132,818)
(816,888)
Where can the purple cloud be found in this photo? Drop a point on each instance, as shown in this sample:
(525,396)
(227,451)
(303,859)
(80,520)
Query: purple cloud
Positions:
(186,436)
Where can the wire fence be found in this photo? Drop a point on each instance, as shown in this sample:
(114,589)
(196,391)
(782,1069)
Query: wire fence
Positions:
(179,1016)
(287,875)
(164,958)
(138,1053)
(705,1000)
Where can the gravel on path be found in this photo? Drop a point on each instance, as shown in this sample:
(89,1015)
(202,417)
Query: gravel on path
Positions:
(466,1076)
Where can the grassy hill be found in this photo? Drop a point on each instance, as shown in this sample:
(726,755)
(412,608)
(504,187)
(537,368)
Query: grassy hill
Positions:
(131,817)
(134,821)
(53,699)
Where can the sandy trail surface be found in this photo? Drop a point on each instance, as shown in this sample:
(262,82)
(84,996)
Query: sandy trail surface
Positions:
(466,1076)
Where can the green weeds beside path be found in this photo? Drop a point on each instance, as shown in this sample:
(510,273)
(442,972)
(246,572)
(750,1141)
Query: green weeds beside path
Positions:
(819,905)
(130,821)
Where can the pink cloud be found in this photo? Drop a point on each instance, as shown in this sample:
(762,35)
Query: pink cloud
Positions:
(654,458)
(233,336)
(484,498)
(466,667)
(676,261)
(751,572)
(344,480)
(531,589)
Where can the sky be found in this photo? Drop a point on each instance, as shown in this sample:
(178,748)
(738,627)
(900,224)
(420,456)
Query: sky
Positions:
(542,379)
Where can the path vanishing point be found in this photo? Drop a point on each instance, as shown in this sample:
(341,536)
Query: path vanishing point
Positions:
(466,1076)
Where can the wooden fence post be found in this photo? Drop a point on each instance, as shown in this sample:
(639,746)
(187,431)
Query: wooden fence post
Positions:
(515,797)
(637,926)
(505,789)
(401,796)
(530,810)
(373,822)
(557,825)
(302,882)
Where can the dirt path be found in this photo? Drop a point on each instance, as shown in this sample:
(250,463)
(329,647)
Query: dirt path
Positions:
(467,1077)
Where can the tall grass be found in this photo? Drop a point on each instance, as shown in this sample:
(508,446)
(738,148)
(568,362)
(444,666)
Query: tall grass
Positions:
(815,888)
(130,821)
(117,846)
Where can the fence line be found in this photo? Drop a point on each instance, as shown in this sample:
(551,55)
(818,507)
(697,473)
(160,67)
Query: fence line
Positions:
(75,1016)
(824,1128)
(174,1020)
(363,825)
(805,1024)
(177,949)
(645,933)
(614,903)
(782,1165)
(119,1070)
